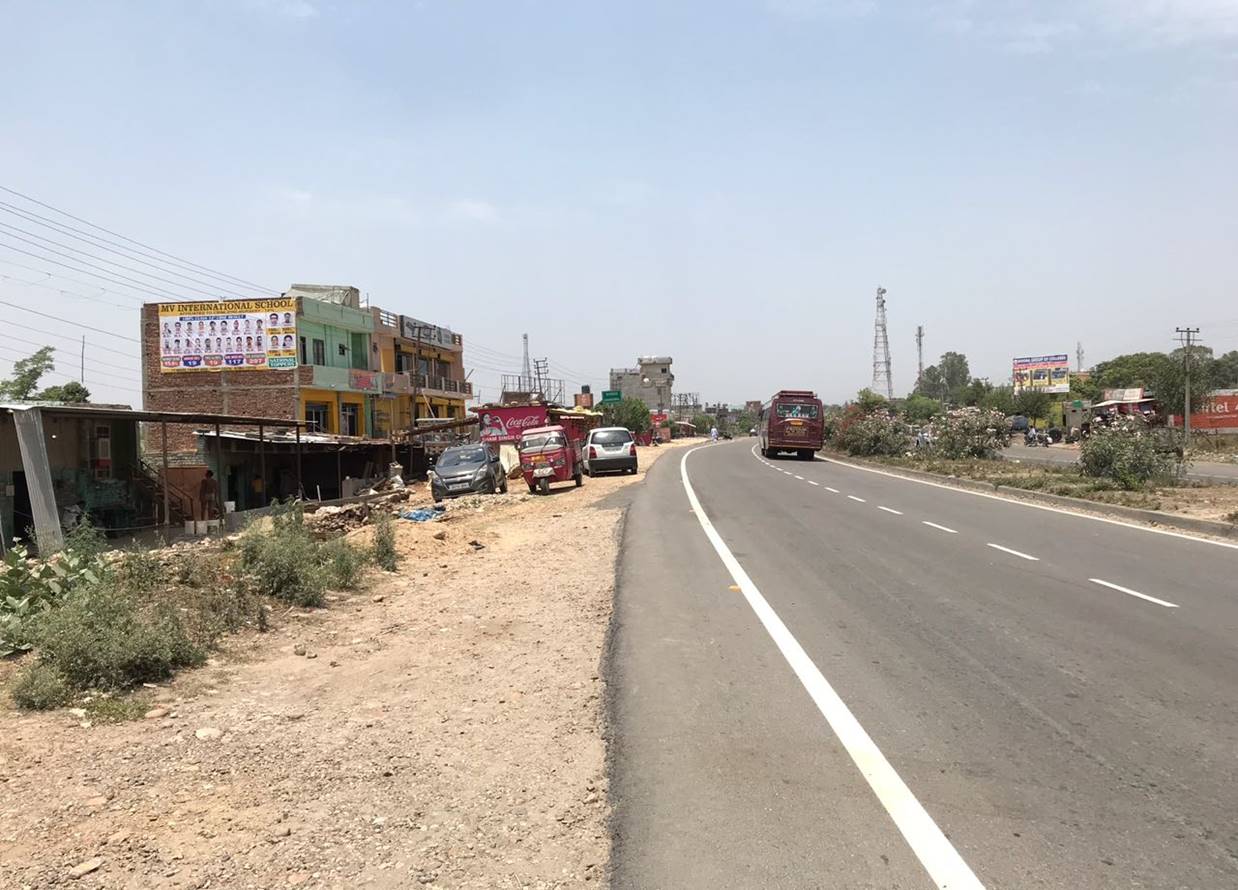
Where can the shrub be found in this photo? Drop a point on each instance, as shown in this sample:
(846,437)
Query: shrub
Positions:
(384,553)
(40,687)
(876,434)
(970,433)
(1129,458)
(29,587)
(283,562)
(100,638)
(343,563)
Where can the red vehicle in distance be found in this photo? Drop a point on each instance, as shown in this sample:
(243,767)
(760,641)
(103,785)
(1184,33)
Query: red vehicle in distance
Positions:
(793,420)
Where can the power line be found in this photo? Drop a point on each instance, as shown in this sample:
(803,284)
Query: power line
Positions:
(67,321)
(21,355)
(87,222)
(18,324)
(128,368)
(70,247)
(65,278)
(141,289)
(104,243)
(141,285)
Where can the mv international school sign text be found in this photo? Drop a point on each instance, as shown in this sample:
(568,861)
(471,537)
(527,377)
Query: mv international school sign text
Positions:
(233,335)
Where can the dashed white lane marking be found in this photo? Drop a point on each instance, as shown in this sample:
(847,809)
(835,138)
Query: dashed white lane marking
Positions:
(943,863)
(854,498)
(891,510)
(1127,590)
(835,490)
(801,478)
(810,482)
(939,527)
(1013,552)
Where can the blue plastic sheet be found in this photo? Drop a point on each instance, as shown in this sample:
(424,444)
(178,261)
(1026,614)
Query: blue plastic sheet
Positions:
(423,515)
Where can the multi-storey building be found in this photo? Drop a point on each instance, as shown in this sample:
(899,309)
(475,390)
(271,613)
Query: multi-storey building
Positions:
(650,381)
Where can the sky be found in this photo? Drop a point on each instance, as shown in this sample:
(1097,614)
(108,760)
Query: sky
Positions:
(725,182)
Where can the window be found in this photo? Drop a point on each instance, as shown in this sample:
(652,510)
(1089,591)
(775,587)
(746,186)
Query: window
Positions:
(316,417)
(320,352)
(304,361)
(611,437)
(360,360)
(789,409)
(350,420)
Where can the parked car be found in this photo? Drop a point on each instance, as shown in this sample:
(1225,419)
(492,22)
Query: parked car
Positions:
(610,448)
(1018,424)
(467,469)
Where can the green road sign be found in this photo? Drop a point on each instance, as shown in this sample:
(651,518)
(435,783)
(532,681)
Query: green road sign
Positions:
(610,396)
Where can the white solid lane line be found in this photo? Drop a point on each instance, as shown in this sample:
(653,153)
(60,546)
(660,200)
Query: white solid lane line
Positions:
(810,482)
(934,850)
(1127,590)
(938,527)
(891,510)
(1013,552)
(854,498)
(835,490)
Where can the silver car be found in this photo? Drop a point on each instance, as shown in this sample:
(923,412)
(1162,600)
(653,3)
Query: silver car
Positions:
(610,448)
(466,469)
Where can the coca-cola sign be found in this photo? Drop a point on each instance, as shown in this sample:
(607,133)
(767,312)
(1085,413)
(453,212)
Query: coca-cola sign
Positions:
(506,424)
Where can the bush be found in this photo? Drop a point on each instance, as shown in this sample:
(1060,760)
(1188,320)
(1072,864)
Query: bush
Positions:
(872,435)
(970,433)
(343,563)
(284,562)
(1127,457)
(29,587)
(100,638)
(40,687)
(384,553)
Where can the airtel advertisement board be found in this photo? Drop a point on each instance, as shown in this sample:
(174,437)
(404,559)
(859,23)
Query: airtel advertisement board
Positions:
(503,424)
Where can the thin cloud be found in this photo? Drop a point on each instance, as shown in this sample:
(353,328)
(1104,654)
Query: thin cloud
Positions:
(471,210)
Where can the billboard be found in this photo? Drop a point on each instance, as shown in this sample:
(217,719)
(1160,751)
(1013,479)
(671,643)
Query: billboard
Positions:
(504,424)
(232,335)
(1043,373)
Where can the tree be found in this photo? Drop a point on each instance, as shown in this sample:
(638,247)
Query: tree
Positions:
(974,392)
(999,398)
(703,423)
(26,373)
(918,408)
(933,384)
(1225,371)
(955,373)
(1033,404)
(1084,387)
(869,401)
(630,413)
(744,421)
(71,392)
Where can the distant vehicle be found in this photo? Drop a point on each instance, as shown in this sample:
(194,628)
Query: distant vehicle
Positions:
(610,448)
(1018,423)
(793,420)
(467,469)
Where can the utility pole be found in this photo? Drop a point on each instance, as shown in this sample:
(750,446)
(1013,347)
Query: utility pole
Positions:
(1186,336)
(82,377)
(526,372)
(882,378)
(919,355)
(1079,356)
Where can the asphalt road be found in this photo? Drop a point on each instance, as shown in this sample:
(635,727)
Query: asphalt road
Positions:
(1201,471)
(999,718)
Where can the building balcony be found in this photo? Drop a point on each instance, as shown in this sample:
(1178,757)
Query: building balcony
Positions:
(402,383)
(349,379)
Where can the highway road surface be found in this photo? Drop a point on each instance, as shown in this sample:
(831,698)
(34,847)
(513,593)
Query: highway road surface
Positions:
(826,676)
(1212,472)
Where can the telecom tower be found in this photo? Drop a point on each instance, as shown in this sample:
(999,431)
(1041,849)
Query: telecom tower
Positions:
(919,355)
(1079,355)
(526,371)
(883,380)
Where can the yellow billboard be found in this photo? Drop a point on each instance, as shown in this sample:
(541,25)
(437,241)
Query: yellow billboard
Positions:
(232,335)
(1044,373)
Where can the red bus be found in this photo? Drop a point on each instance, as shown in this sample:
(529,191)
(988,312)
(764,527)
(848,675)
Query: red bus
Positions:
(793,420)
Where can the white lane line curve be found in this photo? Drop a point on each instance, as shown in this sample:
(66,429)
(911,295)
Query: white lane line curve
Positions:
(939,527)
(892,510)
(854,498)
(1026,556)
(1128,591)
(810,482)
(942,862)
(835,490)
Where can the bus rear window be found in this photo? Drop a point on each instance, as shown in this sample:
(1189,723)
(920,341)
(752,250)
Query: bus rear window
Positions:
(806,412)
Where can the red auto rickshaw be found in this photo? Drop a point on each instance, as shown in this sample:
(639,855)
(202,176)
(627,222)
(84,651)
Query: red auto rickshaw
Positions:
(550,454)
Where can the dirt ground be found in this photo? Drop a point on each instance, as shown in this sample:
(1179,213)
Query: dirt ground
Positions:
(443,728)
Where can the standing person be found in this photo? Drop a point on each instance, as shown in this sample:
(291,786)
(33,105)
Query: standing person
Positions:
(208,495)
(713,434)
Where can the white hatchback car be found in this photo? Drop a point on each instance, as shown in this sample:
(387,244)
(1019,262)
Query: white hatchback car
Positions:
(610,448)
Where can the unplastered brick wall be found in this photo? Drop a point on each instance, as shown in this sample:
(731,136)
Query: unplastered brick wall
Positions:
(245,393)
